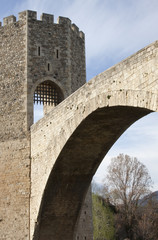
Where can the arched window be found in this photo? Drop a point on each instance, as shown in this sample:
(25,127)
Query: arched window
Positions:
(46,96)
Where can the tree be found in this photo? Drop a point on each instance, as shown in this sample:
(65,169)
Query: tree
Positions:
(103,219)
(147,219)
(126,183)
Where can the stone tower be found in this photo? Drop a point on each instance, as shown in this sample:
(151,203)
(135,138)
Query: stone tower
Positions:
(40,62)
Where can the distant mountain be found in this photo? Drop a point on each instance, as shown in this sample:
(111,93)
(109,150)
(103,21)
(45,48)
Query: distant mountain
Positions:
(151,197)
(154,195)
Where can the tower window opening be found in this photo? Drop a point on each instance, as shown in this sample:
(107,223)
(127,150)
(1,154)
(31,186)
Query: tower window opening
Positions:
(57,53)
(48,67)
(39,51)
(47,93)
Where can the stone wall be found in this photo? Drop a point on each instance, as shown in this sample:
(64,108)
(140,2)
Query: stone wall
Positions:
(14,137)
(31,51)
(56,52)
(94,119)
(57,163)
(84,225)
(137,72)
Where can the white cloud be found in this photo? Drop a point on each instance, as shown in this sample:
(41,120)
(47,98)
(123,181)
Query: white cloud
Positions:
(141,141)
(114,30)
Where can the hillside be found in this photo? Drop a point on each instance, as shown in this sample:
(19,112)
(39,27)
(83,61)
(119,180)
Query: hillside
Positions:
(151,197)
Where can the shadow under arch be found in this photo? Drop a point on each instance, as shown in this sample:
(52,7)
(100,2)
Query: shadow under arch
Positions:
(75,166)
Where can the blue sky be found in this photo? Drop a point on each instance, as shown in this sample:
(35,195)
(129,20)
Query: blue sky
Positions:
(114,30)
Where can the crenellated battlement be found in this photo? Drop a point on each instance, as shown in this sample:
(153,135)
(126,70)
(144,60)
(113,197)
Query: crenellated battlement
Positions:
(46,18)
(9,20)
(49,18)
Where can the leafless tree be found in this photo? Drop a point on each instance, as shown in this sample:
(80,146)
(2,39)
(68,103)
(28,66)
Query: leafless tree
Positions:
(126,183)
(147,220)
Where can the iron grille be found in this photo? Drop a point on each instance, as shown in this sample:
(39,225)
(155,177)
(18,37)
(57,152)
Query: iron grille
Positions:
(47,93)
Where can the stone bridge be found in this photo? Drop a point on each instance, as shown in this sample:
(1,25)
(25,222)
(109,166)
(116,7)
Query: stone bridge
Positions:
(69,143)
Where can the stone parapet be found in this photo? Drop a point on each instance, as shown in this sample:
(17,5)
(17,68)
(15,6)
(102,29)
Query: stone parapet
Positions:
(9,20)
(46,18)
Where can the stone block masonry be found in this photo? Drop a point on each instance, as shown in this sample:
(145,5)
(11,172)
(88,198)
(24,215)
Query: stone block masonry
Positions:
(46,168)
(31,52)
(76,139)
(14,137)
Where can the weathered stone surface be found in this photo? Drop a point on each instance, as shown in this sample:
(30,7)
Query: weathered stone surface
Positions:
(27,46)
(46,168)
(14,137)
(75,136)
(84,226)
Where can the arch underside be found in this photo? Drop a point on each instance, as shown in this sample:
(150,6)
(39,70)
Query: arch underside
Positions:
(75,167)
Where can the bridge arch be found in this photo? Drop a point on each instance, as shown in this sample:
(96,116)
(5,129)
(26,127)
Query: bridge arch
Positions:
(68,144)
(100,123)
